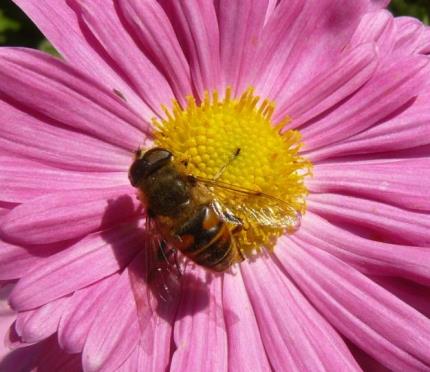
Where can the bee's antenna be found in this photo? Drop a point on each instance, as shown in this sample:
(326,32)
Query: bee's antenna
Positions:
(230,160)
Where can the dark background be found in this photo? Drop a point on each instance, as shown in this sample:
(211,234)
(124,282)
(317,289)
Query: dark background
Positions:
(16,28)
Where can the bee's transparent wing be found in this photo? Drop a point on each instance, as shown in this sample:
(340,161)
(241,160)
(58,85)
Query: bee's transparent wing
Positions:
(155,282)
(260,208)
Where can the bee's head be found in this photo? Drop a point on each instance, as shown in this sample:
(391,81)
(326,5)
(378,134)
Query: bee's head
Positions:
(147,163)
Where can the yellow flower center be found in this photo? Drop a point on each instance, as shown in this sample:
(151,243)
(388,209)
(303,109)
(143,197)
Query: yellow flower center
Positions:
(233,141)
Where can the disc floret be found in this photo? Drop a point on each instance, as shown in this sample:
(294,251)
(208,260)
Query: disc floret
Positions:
(234,140)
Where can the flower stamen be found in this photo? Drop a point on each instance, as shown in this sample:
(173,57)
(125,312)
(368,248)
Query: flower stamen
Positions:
(205,135)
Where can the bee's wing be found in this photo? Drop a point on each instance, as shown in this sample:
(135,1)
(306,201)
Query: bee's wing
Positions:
(261,208)
(155,281)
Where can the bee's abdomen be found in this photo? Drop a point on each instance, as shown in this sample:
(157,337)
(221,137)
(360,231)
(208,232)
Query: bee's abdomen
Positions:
(206,239)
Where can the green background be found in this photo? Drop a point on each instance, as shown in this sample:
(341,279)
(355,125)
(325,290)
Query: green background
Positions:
(16,28)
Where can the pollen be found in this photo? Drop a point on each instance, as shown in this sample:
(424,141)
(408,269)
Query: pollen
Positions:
(233,141)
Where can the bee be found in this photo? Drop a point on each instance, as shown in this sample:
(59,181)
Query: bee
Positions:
(191,219)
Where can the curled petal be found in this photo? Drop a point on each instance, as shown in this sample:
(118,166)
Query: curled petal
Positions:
(377,27)
(412,36)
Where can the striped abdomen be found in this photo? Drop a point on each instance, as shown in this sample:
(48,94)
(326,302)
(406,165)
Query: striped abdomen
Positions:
(206,239)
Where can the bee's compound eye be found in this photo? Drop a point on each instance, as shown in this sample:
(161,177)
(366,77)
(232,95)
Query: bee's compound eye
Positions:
(156,158)
(136,172)
(151,160)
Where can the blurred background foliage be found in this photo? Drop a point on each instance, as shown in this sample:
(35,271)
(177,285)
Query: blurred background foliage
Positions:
(17,29)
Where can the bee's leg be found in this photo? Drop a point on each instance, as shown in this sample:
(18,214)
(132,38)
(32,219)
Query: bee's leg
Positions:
(236,222)
(168,253)
(178,267)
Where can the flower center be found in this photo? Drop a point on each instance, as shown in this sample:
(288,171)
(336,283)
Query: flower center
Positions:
(233,141)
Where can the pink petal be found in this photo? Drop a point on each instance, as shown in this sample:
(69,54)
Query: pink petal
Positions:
(78,48)
(81,311)
(147,22)
(412,36)
(56,146)
(368,256)
(408,128)
(294,45)
(140,360)
(133,361)
(376,27)
(68,215)
(331,87)
(14,341)
(278,28)
(293,333)
(196,27)
(21,359)
(377,4)
(115,331)
(101,20)
(411,293)
(243,334)
(386,221)
(15,174)
(16,261)
(240,27)
(388,90)
(200,314)
(49,88)
(366,362)
(3,212)
(376,321)
(271,6)
(45,356)
(105,253)
(392,181)
(53,358)
(7,317)
(36,325)
(157,301)
(136,361)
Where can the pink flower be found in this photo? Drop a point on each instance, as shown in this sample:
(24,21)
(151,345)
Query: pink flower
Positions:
(347,291)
